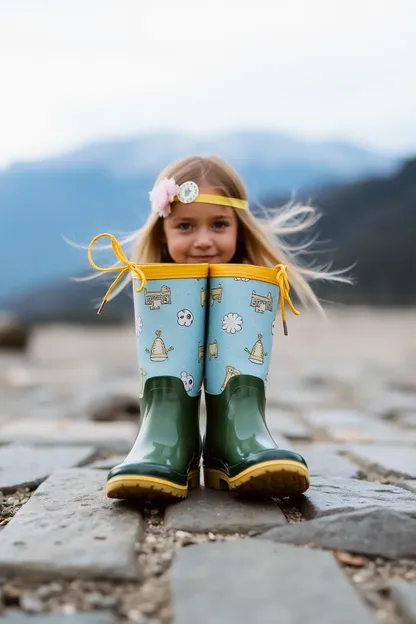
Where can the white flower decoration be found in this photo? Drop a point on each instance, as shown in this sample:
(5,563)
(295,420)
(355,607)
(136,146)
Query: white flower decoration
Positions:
(185,318)
(241,279)
(139,325)
(232,323)
(188,381)
(273,326)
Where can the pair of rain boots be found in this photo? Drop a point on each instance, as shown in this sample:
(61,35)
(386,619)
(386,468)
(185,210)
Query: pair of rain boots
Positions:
(215,324)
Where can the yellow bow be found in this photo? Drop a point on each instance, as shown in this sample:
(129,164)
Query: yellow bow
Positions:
(284,288)
(126,266)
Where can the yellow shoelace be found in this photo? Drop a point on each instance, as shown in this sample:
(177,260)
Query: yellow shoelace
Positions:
(127,265)
(121,270)
(284,288)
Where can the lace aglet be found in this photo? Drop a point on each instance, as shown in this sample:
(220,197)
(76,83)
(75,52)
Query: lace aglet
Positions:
(101,308)
(286,333)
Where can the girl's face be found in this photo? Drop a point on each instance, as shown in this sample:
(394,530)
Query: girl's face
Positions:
(199,233)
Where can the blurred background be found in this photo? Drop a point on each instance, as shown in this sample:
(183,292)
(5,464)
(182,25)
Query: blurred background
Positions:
(312,101)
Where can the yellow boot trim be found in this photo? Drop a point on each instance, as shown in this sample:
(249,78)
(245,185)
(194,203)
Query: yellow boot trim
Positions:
(142,486)
(276,276)
(248,271)
(141,272)
(272,478)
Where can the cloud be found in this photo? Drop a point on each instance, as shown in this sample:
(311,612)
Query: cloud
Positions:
(76,71)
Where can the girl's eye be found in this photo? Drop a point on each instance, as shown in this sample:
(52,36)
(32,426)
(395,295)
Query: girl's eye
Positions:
(219,225)
(184,226)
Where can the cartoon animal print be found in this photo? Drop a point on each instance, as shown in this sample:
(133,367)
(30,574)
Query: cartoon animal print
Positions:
(213,350)
(215,295)
(232,323)
(143,374)
(188,381)
(257,354)
(261,303)
(230,371)
(157,298)
(158,353)
(185,318)
(203,297)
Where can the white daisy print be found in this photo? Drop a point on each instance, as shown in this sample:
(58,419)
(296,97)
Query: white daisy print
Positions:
(139,325)
(185,318)
(232,323)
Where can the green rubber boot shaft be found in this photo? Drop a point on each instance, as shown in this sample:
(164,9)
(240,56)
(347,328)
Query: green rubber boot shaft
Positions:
(237,436)
(168,444)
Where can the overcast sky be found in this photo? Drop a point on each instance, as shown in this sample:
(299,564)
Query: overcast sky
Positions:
(74,71)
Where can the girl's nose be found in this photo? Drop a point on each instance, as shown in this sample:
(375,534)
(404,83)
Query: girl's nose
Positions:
(203,239)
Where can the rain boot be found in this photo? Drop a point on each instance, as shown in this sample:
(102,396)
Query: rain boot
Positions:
(169,307)
(239,452)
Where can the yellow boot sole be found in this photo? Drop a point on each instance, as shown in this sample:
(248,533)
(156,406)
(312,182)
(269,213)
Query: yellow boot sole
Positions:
(141,486)
(272,478)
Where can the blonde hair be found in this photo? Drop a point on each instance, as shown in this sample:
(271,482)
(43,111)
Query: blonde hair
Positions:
(261,240)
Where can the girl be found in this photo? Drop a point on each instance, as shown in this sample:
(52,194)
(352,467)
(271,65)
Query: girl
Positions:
(208,281)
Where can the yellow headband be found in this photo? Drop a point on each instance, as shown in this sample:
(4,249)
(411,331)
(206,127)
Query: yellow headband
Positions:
(167,191)
(189,193)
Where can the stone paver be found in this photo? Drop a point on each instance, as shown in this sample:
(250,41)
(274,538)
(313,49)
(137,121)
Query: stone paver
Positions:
(353,426)
(206,510)
(372,531)
(404,595)
(108,463)
(327,418)
(28,466)
(388,459)
(409,485)
(70,529)
(97,617)
(114,436)
(408,419)
(282,422)
(324,462)
(330,496)
(250,581)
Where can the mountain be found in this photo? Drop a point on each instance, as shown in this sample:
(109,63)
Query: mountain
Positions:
(104,187)
(371,223)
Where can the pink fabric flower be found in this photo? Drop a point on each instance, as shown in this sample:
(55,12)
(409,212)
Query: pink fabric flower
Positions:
(162,195)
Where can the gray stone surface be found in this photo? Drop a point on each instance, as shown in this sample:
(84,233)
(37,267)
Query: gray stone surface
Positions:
(330,496)
(113,436)
(408,419)
(27,466)
(222,512)
(96,617)
(409,485)
(335,417)
(283,423)
(108,463)
(372,531)
(404,595)
(70,529)
(354,426)
(327,463)
(389,459)
(248,581)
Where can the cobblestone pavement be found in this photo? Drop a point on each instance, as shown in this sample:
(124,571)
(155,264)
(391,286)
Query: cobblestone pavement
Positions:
(342,392)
